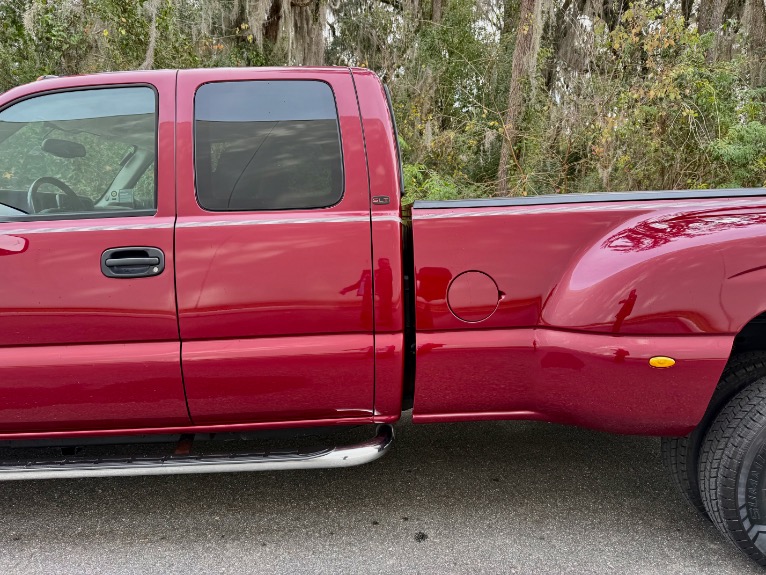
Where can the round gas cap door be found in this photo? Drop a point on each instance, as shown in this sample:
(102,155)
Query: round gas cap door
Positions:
(473,296)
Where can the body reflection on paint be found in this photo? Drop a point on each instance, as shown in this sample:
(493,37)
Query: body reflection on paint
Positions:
(432,286)
(384,294)
(655,232)
(363,288)
(384,291)
(12,245)
(627,307)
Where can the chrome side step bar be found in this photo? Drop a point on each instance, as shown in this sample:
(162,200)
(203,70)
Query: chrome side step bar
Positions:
(70,468)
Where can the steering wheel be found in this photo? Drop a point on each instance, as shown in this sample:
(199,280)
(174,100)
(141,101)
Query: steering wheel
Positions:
(32,201)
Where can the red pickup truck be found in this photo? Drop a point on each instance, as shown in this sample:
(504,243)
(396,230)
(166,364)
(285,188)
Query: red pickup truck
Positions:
(190,254)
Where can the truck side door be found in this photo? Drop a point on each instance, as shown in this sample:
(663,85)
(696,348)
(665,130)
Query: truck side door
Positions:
(88,336)
(273,252)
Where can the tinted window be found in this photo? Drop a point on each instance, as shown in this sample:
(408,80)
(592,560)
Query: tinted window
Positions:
(79,152)
(264,145)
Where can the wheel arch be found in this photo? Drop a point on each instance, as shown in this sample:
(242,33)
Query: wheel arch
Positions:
(751,337)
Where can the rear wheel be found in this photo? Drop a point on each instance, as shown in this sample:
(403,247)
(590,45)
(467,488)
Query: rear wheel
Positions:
(681,454)
(732,471)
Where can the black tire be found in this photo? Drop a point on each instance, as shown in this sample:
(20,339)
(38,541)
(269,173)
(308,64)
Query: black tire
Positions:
(681,454)
(733,471)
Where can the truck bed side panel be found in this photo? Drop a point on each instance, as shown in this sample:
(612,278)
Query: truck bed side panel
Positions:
(594,290)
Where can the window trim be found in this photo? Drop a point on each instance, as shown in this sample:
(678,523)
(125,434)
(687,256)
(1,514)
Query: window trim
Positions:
(270,210)
(80,216)
(105,214)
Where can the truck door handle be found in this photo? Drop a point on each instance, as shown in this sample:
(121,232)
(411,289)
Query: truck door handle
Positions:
(132,262)
(114,262)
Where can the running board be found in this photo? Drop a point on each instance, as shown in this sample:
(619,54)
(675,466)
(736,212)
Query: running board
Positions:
(69,468)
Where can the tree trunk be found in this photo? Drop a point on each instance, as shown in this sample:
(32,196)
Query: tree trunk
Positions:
(430,86)
(148,62)
(570,52)
(686,10)
(273,22)
(756,35)
(705,16)
(296,29)
(436,11)
(524,60)
(309,21)
(710,19)
(612,11)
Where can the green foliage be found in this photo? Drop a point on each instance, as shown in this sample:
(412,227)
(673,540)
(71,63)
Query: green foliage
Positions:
(741,155)
(654,115)
(421,183)
(22,161)
(56,44)
(635,104)
(121,22)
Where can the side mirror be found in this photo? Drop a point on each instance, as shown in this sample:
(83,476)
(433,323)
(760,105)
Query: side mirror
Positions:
(63,148)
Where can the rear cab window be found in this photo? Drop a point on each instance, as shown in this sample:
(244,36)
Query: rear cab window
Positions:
(267,145)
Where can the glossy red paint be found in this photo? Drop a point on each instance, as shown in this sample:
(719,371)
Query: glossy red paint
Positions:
(286,285)
(59,310)
(636,267)
(55,276)
(295,318)
(473,296)
(273,379)
(60,297)
(591,380)
(655,268)
(97,386)
(387,245)
(693,271)
(389,376)
(10,245)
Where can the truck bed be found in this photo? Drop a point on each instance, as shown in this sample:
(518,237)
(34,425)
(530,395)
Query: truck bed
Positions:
(550,307)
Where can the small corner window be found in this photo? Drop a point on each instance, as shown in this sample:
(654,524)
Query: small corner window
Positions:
(77,154)
(267,145)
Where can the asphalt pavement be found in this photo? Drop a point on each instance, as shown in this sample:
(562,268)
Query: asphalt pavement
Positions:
(493,497)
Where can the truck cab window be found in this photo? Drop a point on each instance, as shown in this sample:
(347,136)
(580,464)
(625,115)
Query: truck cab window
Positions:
(267,145)
(77,152)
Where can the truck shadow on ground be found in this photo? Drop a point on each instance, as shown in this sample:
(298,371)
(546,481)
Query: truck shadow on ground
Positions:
(516,491)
